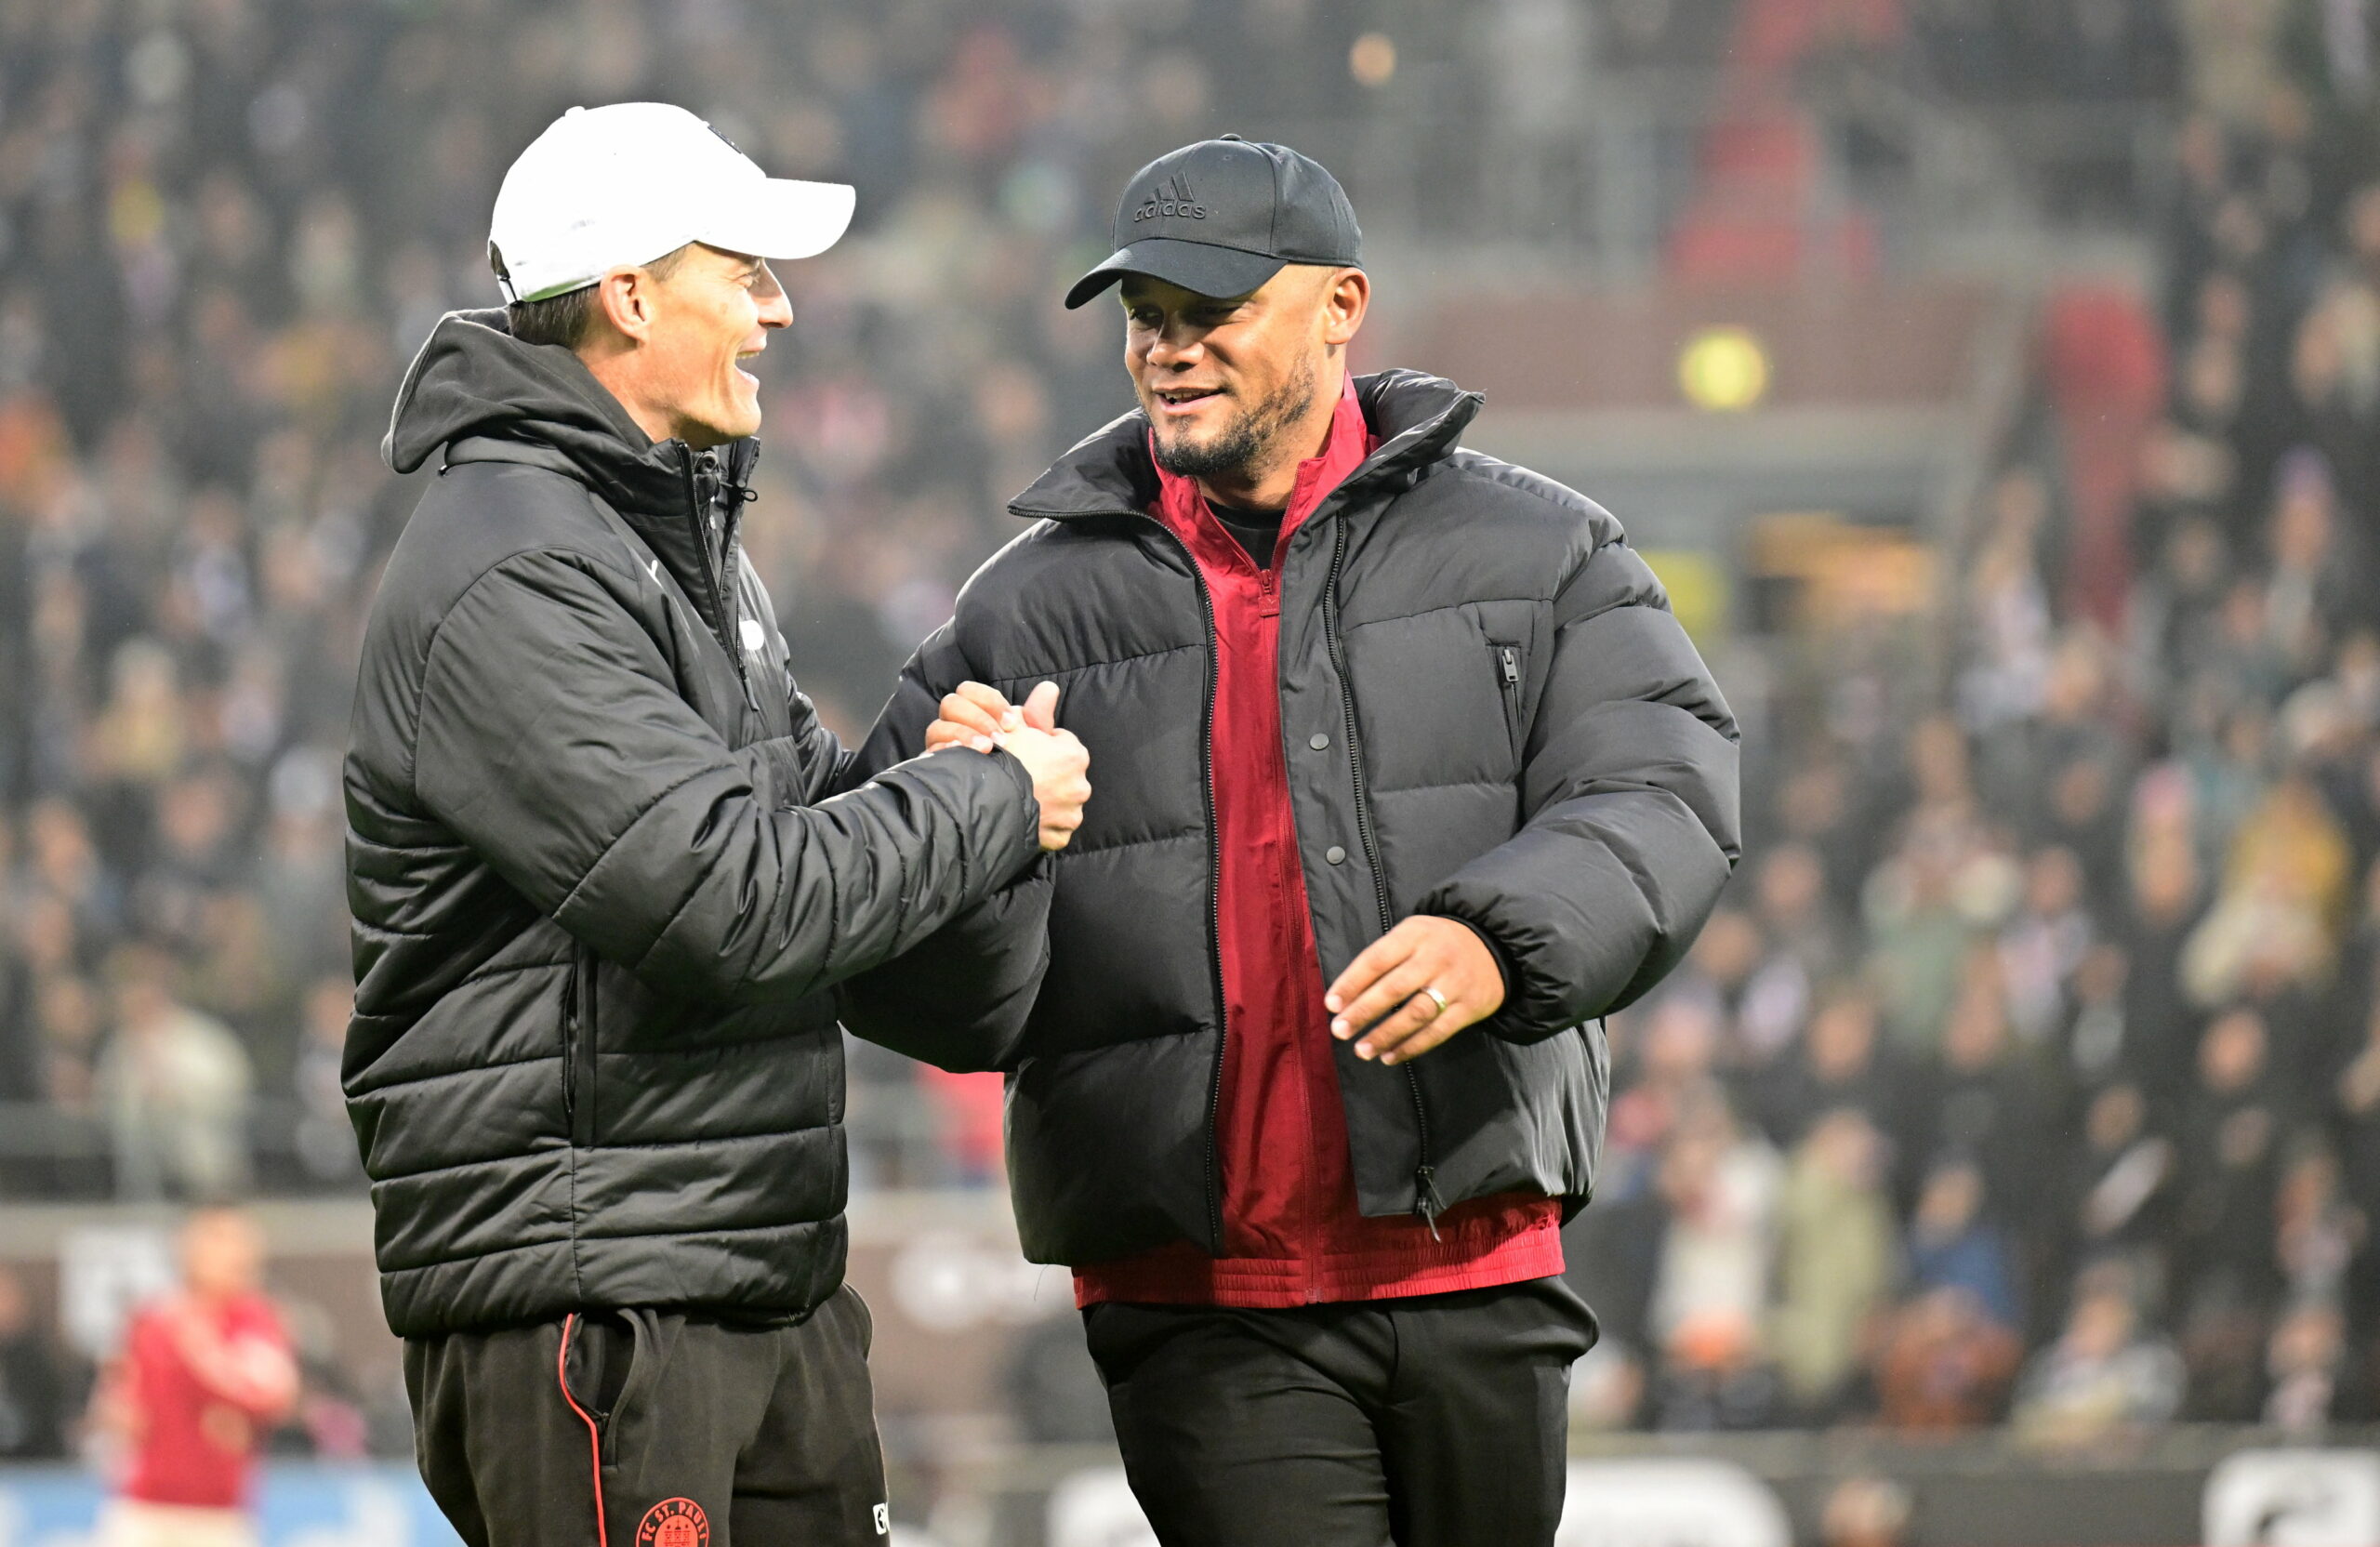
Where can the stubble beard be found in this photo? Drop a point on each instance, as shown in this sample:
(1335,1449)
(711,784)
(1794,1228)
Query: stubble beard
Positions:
(1248,440)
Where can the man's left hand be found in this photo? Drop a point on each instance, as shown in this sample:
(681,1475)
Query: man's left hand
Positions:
(1384,994)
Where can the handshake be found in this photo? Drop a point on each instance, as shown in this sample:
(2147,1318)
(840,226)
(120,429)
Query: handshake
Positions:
(977,717)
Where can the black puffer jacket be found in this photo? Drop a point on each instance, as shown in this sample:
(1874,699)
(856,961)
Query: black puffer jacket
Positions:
(1487,712)
(601,880)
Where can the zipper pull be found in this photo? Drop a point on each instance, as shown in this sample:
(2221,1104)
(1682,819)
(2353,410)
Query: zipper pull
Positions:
(1427,1204)
(1512,660)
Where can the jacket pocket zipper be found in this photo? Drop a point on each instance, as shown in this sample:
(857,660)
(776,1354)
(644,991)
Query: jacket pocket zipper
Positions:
(1508,677)
(578,1047)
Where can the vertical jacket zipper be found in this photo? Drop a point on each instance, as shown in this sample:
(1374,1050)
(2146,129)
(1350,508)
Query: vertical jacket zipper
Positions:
(698,510)
(731,526)
(1214,910)
(1214,893)
(1427,1204)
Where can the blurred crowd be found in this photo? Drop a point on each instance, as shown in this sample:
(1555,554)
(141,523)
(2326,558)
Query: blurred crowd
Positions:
(224,226)
(2031,1072)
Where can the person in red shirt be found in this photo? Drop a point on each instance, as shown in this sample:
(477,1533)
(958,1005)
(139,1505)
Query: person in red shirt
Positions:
(1413,777)
(204,1373)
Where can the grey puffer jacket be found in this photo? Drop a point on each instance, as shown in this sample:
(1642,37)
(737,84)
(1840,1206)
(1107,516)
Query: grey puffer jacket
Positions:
(606,869)
(1487,712)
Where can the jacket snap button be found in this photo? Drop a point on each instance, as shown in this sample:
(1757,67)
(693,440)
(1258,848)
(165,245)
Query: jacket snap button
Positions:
(1318,741)
(1335,855)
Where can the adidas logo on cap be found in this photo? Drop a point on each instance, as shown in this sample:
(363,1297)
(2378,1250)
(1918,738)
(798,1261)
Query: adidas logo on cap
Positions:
(1171,197)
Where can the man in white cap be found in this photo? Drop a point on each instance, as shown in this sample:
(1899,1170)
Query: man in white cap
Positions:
(607,871)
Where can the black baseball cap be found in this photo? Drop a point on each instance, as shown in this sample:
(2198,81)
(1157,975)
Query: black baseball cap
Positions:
(1222,216)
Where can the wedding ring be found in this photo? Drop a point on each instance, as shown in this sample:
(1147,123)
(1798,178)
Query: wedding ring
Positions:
(1441,1000)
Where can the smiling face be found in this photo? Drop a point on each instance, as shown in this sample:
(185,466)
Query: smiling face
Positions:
(712,314)
(1240,388)
(679,337)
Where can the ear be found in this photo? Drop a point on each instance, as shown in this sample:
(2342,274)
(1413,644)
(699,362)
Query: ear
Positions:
(1343,305)
(625,300)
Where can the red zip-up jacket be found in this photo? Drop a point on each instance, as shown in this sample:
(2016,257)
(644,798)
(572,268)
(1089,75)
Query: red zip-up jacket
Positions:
(1293,1232)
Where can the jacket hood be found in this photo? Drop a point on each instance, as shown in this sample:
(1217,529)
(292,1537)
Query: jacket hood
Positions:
(485,396)
(1418,418)
(474,381)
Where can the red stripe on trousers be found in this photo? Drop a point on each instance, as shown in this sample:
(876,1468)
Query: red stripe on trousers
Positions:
(594,1437)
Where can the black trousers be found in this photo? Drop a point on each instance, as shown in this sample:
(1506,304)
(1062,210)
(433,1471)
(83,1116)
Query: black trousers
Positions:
(708,1433)
(1440,1420)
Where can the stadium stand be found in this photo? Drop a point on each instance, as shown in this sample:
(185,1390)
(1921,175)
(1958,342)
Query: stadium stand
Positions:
(2032,1075)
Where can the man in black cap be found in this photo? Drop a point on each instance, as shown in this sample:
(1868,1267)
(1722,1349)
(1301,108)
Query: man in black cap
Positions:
(1409,776)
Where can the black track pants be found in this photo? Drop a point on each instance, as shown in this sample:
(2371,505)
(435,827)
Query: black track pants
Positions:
(710,1433)
(1435,1422)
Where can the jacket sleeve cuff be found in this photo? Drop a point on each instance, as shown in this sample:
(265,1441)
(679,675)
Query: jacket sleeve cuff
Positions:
(1532,1010)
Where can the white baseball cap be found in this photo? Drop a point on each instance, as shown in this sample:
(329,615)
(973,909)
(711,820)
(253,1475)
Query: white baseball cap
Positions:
(613,187)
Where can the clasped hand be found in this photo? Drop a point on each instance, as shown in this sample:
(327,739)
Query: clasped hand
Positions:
(978,717)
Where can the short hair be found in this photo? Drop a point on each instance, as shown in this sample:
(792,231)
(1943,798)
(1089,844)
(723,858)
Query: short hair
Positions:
(565,319)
